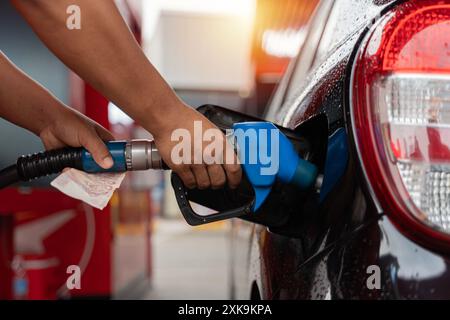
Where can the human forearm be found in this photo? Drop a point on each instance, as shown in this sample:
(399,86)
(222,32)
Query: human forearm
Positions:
(105,54)
(27,104)
(23,101)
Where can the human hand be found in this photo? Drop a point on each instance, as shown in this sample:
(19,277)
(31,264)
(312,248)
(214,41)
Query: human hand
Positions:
(67,127)
(205,172)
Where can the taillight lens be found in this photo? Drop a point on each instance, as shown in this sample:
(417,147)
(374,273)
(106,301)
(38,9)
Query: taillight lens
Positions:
(401,116)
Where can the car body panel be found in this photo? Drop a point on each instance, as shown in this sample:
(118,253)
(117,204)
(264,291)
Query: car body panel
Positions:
(333,259)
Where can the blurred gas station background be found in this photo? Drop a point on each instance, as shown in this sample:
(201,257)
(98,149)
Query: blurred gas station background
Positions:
(230,53)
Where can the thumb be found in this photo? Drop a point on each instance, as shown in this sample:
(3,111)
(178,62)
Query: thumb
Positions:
(92,142)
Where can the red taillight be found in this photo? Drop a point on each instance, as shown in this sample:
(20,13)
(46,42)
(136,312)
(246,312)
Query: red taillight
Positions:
(401,117)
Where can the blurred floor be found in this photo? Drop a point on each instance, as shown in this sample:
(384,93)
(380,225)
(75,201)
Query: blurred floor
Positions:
(189,263)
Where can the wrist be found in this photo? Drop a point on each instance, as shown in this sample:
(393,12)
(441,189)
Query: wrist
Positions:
(48,115)
(160,117)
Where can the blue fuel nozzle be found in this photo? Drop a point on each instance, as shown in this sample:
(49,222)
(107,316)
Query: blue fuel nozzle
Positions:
(267,155)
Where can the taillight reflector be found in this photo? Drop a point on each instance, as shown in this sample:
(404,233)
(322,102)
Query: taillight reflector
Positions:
(401,117)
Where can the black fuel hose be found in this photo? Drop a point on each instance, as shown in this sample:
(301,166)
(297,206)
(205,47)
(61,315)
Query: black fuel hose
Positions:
(9,176)
(41,164)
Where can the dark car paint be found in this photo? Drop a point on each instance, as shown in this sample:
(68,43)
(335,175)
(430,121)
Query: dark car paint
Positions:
(347,233)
